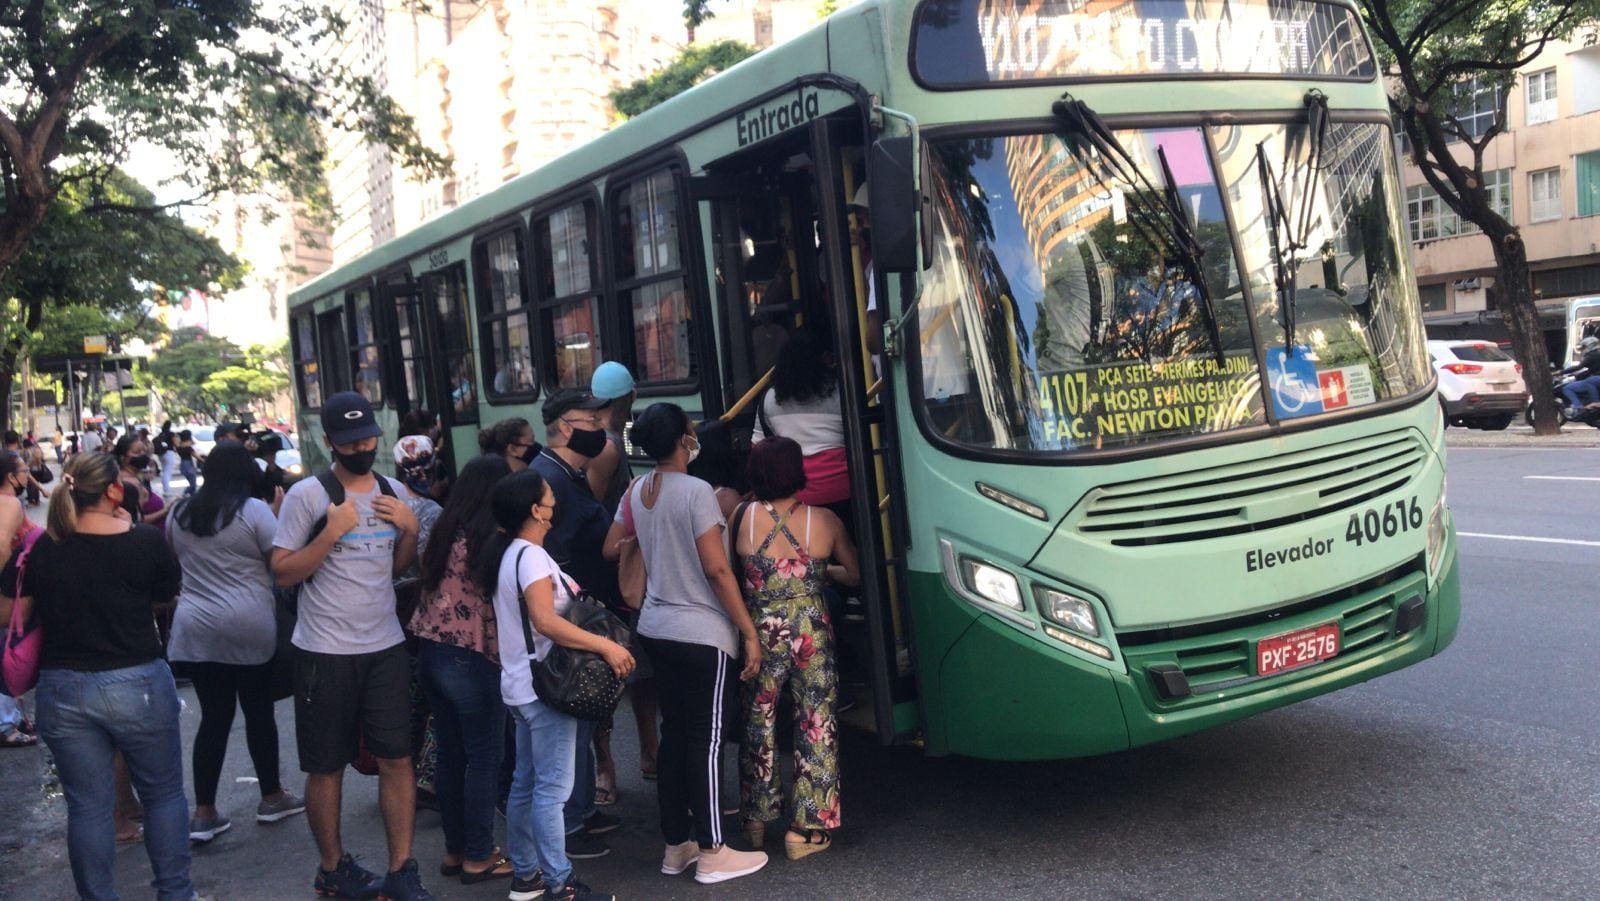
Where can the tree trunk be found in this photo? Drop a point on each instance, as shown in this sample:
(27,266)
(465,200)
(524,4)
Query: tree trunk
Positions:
(1521,317)
(8,369)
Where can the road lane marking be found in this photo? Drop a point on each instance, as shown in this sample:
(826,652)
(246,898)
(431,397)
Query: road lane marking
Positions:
(1566,478)
(1529,538)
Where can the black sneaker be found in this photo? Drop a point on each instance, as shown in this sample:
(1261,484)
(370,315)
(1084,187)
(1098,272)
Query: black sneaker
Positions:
(347,880)
(404,884)
(577,891)
(527,889)
(598,823)
(581,845)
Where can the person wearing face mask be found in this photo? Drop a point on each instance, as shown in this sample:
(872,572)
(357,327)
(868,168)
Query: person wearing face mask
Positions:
(417,466)
(512,439)
(133,455)
(574,435)
(352,678)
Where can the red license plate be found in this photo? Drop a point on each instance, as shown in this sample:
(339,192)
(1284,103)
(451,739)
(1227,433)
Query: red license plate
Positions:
(1296,649)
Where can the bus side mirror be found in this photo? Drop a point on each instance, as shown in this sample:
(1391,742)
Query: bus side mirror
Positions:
(894,205)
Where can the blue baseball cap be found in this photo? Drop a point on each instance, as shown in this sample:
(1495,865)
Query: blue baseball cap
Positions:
(611,380)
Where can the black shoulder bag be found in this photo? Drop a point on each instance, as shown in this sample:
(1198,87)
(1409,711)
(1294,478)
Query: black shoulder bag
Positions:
(580,684)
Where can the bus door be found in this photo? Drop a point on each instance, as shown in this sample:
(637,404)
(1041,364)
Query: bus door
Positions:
(451,376)
(412,362)
(784,260)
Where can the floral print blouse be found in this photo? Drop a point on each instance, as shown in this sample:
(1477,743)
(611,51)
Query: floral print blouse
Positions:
(457,613)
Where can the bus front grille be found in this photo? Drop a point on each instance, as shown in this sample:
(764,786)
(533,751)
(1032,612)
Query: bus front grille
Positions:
(1253,495)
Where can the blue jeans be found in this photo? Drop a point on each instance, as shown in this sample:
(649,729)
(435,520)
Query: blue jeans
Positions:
(189,471)
(546,743)
(580,804)
(85,718)
(1582,392)
(10,713)
(463,689)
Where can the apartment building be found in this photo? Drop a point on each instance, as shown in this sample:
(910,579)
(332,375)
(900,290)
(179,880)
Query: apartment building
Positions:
(503,86)
(1544,173)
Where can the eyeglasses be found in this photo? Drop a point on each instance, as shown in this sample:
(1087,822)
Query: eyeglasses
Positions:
(588,421)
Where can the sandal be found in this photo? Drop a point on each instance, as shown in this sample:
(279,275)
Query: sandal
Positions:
(815,840)
(500,869)
(129,838)
(18,739)
(604,797)
(449,869)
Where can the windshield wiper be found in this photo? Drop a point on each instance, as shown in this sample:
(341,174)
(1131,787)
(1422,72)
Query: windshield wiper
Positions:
(1289,237)
(1177,233)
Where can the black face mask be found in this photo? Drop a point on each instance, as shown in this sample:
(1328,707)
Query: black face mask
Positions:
(587,442)
(359,463)
(140,462)
(529,452)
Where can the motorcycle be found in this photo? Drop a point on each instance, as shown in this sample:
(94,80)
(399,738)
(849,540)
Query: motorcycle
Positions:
(1559,378)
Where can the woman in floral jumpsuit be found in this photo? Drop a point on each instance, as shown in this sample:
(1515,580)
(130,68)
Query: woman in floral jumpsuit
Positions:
(783,578)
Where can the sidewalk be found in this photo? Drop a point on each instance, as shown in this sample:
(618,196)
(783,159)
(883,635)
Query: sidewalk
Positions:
(1571,436)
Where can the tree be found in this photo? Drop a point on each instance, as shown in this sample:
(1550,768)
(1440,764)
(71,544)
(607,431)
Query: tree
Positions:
(95,273)
(694,65)
(183,371)
(236,92)
(695,12)
(1437,54)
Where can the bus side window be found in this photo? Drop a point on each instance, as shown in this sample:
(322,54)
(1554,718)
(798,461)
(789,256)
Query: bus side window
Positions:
(365,359)
(567,291)
(308,380)
(650,278)
(333,351)
(445,292)
(504,335)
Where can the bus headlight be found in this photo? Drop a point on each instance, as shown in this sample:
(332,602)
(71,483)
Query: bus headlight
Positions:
(991,583)
(1075,613)
(1436,535)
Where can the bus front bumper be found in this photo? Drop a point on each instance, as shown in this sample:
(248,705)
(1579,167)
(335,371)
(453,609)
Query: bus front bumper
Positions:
(1000,693)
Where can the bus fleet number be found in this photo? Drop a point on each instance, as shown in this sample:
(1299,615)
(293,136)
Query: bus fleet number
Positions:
(1384,522)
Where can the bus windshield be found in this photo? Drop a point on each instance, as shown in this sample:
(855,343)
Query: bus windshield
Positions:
(1064,311)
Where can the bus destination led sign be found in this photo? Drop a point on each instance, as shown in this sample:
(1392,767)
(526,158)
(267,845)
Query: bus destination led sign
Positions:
(990,41)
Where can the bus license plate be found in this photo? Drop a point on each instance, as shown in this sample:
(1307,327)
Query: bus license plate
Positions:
(1296,649)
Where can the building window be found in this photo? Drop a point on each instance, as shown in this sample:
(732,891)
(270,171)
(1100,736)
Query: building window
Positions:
(1498,185)
(1433,298)
(1477,106)
(1541,96)
(365,361)
(504,331)
(1588,168)
(445,292)
(1544,195)
(306,377)
(569,299)
(650,279)
(1570,281)
(1428,217)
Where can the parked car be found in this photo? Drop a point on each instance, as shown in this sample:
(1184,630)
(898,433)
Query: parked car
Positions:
(1480,386)
(288,459)
(205,438)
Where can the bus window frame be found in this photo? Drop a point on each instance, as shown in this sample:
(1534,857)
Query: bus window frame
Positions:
(912,358)
(1059,81)
(441,356)
(377,335)
(324,370)
(691,269)
(485,321)
(600,281)
(308,313)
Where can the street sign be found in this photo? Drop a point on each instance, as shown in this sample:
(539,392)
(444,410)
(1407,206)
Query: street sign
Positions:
(94,344)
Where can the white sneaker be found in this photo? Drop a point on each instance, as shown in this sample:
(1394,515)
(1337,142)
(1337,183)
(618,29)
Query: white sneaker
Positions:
(679,858)
(725,863)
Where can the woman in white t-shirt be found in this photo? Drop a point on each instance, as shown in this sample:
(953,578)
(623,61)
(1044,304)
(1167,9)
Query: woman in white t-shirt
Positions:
(531,596)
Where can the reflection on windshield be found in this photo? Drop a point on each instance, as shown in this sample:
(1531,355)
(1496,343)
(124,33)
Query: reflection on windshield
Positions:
(1059,315)
(1091,330)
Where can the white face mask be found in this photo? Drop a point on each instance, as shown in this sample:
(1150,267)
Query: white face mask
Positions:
(694,451)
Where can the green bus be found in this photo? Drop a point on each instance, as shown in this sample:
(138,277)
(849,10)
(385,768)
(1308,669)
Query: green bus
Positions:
(1139,413)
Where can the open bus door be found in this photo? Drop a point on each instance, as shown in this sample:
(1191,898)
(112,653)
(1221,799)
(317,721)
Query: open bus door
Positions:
(785,259)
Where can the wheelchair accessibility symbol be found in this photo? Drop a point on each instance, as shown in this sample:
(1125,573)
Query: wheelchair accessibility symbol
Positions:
(1293,382)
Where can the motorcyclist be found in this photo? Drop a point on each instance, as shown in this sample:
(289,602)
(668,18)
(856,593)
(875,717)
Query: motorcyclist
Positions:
(1582,392)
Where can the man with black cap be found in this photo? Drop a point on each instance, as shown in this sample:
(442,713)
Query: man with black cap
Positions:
(352,679)
(575,434)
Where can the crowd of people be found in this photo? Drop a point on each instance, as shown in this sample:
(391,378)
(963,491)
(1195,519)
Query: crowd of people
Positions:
(407,616)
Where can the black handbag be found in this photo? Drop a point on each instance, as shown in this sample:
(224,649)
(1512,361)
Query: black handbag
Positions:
(580,684)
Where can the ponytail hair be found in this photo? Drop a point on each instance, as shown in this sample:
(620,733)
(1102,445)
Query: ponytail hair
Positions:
(514,497)
(496,438)
(83,484)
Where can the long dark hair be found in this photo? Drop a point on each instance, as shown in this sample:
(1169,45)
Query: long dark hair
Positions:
(467,515)
(231,477)
(514,497)
(800,375)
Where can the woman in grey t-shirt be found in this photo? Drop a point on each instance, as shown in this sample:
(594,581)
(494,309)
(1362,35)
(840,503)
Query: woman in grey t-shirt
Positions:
(224,630)
(695,628)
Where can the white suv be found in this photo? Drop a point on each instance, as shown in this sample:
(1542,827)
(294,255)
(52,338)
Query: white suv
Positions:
(1479,385)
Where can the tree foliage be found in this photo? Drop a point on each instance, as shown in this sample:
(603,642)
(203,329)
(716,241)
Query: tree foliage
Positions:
(694,65)
(1434,53)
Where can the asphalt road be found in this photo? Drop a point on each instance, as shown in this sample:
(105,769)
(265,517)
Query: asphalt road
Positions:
(1470,775)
